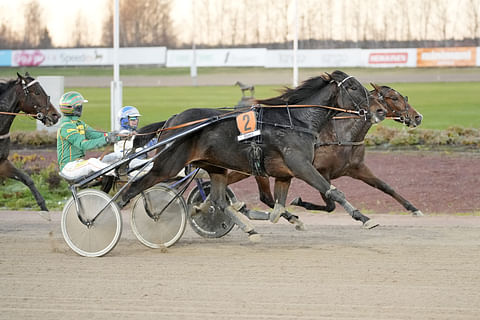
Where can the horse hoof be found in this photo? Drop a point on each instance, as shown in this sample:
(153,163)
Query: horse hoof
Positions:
(300,226)
(45,215)
(370,224)
(255,237)
(417,213)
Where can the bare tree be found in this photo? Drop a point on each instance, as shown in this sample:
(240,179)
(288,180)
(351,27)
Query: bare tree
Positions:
(143,23)
(474,17)
(34,25)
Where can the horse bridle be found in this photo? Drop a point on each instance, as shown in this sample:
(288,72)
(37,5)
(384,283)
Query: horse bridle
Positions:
(26,91)
(400,116)
(361,112)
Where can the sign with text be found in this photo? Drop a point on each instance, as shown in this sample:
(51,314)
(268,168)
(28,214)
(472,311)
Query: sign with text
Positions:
(443,57)
(388,58)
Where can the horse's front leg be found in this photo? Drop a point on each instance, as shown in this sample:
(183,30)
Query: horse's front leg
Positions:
(9,170)
(305,171)
(364,174)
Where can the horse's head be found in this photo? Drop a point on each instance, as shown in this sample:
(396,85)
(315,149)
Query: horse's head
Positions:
(397,105)
(33,100)
(352,95)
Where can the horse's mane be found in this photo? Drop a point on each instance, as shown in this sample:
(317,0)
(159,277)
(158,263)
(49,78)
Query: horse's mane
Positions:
(5,85)
(303,91)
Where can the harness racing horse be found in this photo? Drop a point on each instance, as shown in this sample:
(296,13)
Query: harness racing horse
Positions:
(341,152)
(285,148)
(25,94)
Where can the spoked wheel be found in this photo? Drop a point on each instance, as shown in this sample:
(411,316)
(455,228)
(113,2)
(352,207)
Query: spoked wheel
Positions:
(91,238)
(209,223)
(159,217)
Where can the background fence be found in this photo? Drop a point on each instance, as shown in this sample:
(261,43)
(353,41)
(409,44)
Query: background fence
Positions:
(247,57)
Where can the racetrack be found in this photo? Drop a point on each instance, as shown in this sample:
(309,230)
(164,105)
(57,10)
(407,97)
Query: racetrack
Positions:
(408,268)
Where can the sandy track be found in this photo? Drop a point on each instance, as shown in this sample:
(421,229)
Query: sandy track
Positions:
(409,268)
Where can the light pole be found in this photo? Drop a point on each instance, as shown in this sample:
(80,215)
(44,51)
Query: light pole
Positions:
(116,84)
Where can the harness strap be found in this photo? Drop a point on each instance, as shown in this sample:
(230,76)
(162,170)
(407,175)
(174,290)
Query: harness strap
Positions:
(312,106)
(297,128)
(339,143)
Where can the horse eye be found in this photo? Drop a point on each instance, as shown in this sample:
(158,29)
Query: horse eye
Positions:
(353,88)
(394,98)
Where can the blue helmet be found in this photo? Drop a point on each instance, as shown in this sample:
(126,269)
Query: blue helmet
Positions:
(126,113)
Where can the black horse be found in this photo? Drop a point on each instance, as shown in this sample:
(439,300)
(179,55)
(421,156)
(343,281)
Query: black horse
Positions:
(340,151)
(25,94)
(284,149)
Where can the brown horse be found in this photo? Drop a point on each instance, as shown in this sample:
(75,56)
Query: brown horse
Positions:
(25,94)
(341,152)
(284,149)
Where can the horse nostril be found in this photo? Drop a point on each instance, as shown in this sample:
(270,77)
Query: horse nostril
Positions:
(418,119)
(380,113)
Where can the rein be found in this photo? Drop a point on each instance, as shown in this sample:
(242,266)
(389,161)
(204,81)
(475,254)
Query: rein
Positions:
(33,115)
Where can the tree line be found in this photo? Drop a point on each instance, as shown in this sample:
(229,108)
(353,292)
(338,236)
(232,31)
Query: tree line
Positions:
(268,23)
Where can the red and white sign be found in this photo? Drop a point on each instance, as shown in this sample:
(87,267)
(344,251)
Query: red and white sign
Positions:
(388,57)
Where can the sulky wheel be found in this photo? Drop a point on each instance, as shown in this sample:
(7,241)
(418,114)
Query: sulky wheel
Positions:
(159,217)
(209,223)
(92,237)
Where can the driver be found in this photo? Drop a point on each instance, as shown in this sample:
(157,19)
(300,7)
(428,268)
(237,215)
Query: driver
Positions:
(75,137)
(129,117)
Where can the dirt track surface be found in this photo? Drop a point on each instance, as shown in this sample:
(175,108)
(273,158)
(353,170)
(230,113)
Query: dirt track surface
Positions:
(408,268)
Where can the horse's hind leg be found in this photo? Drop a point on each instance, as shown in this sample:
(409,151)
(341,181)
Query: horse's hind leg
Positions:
(7,168)
(218,184)
(264,191)
(263,186)
(281,191)
(364,174)
(328,207)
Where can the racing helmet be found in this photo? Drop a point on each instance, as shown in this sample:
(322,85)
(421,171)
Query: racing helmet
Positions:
(126,113)
(71,103)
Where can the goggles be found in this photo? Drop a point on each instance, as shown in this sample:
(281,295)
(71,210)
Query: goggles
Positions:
(133,118)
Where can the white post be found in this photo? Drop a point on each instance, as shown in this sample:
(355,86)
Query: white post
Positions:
(295,44)
(193,67)
(54,87)
(116,84)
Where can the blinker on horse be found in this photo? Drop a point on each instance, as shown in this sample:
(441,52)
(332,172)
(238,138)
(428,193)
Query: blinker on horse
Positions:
(23,96)
(288,136)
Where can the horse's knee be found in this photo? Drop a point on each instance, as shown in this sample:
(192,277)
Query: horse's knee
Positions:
(335,195)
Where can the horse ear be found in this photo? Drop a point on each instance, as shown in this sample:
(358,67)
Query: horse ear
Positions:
(326,76)
(27,74)
(20,78)
(376,87)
